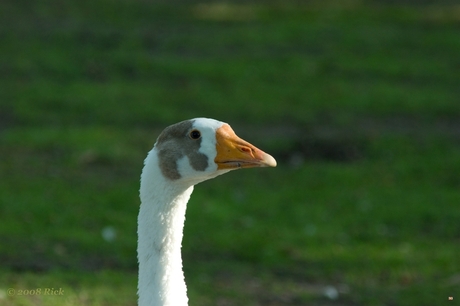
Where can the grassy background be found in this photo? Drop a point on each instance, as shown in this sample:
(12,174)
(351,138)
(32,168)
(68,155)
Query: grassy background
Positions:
(357,100)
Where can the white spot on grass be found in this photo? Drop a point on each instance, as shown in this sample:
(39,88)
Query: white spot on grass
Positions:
(109,233)
(331,292)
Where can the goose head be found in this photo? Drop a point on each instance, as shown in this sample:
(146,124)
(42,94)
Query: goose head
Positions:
(199,149)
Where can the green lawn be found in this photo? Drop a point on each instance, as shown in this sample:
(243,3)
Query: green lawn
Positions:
(357,100)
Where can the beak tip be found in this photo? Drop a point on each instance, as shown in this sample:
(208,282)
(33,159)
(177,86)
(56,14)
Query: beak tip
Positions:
(269,160)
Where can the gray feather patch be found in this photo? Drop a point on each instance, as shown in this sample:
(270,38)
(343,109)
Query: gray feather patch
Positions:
(174,143)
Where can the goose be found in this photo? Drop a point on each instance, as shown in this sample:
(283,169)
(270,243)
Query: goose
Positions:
(184,154)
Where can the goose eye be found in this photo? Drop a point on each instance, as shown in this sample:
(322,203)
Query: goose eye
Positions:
(195,134)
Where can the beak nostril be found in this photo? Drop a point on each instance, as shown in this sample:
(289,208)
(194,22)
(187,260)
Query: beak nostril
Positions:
(246,149)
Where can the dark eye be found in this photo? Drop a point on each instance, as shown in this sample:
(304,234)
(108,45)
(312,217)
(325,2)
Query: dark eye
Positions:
(195,134)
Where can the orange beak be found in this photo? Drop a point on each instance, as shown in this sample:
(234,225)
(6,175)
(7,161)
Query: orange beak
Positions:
(233,152)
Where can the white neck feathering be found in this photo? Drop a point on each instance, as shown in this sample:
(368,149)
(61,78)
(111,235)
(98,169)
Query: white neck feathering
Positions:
(160,230)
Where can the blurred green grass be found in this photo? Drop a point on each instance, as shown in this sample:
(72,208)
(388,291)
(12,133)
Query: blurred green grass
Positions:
(358,101)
